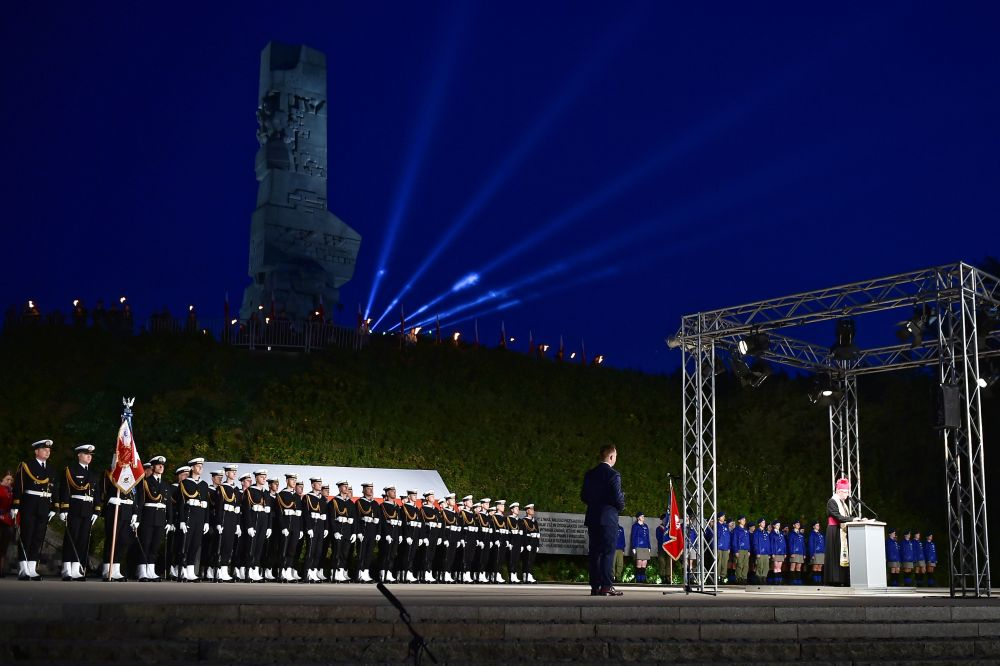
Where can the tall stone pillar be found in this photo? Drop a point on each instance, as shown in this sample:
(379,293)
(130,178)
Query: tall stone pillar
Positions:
(300,252)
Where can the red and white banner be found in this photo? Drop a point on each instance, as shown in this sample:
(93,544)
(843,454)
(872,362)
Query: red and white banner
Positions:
(673,545)
(126,467)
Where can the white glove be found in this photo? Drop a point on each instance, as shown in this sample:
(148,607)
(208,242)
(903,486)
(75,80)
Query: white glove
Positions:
(438,542)
(135,521)
(378,537)
(354,537)
(204,529)
(184,528)
(13,514)
(528,548)
(267,534)
(285,531)
(310,533)
(300,534)
(168,528)
(326,533)
(447,543)
(218,528)
(388,538)
(509,545)
(361,537)
(93,518)
(52,515)
(409,541)
(252,532)
(338,536)
(239,531)
(63,516)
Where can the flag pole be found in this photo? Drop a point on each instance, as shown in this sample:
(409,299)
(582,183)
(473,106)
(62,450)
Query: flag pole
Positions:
(114,534)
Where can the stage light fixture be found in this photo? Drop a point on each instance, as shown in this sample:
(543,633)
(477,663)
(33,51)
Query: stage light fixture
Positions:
(755,344)
(913,329)
(844,348)
(824,392)
(742,371)
(760,371)
(991,376)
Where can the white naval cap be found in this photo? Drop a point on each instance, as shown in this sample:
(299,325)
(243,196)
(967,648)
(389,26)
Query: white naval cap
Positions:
(85,448)
(260,472)
(196,461)
(182,468)
(42,444)
(158,460)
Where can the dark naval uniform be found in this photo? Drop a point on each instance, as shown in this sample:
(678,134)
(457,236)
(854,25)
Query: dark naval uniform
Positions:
(469,537)
(431,538)
(155,513)
(194,512)
(452,535)
(484,546)
(341,525)
(255,513)
(532,539)
(33,500)
(314,521)
(412,526)
(80,500)
(290,524)
(516,541)
(367,528)
(226,525)
(388,538)
(501,544)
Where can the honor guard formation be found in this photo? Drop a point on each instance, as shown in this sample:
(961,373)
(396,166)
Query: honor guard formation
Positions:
(241,527)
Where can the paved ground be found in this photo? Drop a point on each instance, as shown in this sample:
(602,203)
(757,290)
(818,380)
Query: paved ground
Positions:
(14,593)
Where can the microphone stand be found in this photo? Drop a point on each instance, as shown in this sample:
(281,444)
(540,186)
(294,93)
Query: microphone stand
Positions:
(417,644)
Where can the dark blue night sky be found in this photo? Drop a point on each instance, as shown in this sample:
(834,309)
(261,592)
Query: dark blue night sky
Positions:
(619,164)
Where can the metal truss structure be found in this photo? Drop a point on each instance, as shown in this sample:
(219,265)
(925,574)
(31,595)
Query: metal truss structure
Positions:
(962,302)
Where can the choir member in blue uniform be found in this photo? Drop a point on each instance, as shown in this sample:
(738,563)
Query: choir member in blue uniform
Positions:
(741,545)
(817,552)
(930,555)
(760,546)
(892,557)
(723,544)
(796,552)
(908,555)
(779,550)
(692,548)
(640,546)
(919,563)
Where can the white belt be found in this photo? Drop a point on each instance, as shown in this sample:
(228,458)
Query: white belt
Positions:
(115,500)
(201,503)
(267,509)
(342,519)
(436,525)
(487,530)
(82,498)
(369,519)
(395,521)
(454,528)
(230,507)
(291,512)
(258,508)
(503,531)
(414,523)
(298,512)
(533,535)
(39,493)
(317,516)
(471,528)
(153,505)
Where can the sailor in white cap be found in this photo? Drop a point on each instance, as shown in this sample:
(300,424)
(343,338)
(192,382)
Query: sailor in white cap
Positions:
(431,538)
(389,535)
(314,526)
(412,526)
(468,539)
(155,514)
(532,538)
(485,542)
(256,519)
(366,527)
(227,526)
(450,537)
(121,523)
(341,515)
(193,519)
(515,541)
(501,541)
(78,504)
(33,486)
(289,504)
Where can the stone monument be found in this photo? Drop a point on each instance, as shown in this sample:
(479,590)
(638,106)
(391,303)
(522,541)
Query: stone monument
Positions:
(300,252)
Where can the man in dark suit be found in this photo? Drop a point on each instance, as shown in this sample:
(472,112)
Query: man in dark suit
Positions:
(602,493)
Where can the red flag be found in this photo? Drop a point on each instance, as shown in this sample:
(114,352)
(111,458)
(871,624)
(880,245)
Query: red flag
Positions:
(673,545)
(126,466)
